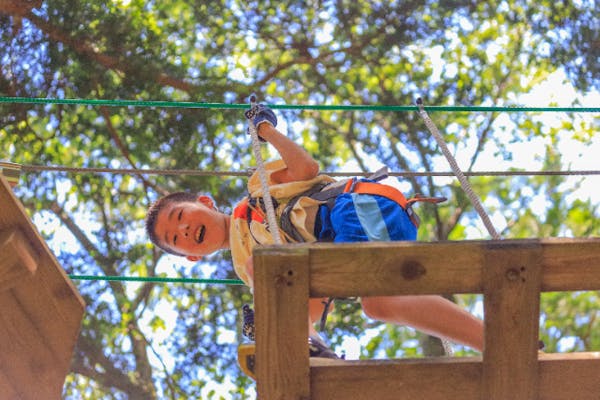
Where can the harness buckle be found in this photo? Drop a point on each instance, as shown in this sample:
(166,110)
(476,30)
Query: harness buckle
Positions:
(419,197)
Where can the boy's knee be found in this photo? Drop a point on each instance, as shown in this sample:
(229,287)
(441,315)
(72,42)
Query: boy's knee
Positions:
(372,308)
(316,307)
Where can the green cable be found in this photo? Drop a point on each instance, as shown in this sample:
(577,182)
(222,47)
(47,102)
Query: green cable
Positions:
(185,104)
(155,279)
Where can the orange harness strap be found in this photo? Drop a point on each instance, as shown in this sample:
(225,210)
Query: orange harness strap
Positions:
(378,189)
(391,193)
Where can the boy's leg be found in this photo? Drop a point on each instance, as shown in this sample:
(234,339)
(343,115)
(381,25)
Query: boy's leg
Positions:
(315,311)
(430,314)
(317,346)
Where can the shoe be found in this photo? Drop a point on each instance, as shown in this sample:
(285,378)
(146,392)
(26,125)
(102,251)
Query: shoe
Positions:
(316,348)
(248,326)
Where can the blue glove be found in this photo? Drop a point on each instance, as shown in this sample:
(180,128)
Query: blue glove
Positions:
(260,114)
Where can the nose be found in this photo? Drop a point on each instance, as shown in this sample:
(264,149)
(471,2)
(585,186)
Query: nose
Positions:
(183,228)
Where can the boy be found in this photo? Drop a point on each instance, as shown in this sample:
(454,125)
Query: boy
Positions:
(188,225)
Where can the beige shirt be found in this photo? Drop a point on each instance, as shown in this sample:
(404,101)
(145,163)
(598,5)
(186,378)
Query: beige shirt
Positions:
(243,236)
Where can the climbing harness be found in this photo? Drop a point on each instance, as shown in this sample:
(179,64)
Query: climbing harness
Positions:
(328,193)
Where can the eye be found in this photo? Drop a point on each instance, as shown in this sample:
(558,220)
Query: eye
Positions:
(174,240)
(180,214)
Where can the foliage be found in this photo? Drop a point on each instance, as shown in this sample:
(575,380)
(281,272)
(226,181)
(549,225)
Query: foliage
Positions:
(293,52)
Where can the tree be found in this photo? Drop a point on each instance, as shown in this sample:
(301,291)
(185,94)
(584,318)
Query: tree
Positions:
(333,52)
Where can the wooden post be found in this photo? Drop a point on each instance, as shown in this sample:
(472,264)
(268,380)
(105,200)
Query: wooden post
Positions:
(281,302)
(18,260)
(512,276)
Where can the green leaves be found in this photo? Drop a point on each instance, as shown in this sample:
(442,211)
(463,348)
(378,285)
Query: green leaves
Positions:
(298,52)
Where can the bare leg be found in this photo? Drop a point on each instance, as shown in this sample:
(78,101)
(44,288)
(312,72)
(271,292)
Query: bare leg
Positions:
(315,311)
(433,315)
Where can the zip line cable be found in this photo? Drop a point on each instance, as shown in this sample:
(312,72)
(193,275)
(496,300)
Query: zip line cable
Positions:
(330,107)
(247,173)
(202,105)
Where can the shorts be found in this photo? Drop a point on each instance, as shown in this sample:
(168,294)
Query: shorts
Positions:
(363,217)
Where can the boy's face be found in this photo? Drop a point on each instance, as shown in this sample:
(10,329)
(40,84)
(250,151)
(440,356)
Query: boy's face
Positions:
(192,228)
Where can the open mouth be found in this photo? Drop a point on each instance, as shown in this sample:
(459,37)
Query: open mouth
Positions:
(200,234)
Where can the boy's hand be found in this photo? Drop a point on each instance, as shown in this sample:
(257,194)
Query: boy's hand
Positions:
(260,114)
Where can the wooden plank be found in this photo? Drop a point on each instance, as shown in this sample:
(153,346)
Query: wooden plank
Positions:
(13,214)
(18,258)
(41,317)
(53,312)
(281,301)
(571,376)
(431,379)
(10,172)
(571,264)
(512,281)
(391,268)
(7,390)
(27,360)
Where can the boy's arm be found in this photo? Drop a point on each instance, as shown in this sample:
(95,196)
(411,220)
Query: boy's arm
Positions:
(250,271)
(300,165)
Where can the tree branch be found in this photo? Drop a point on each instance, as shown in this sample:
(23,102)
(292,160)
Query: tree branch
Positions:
(85,48)
(79,234)
(110,376)
(125,151)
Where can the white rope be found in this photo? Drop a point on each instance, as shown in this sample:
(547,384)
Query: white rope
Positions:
(457,171)
(264,183)
(447,347)
(465,185)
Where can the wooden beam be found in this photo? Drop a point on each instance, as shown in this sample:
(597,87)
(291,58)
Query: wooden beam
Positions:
(571,264)
(431,379)
(7,388)
(18,260)
(571,376)
(53,312)
(281,318)
(26,356)
(390,268)
(12,216)
(512,279)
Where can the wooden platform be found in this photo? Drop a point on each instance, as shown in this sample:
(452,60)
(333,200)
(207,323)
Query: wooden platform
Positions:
(510,274)
(40,309)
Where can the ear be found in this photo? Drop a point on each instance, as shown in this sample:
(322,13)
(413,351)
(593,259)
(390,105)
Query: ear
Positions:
(193,258)
(207,201)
